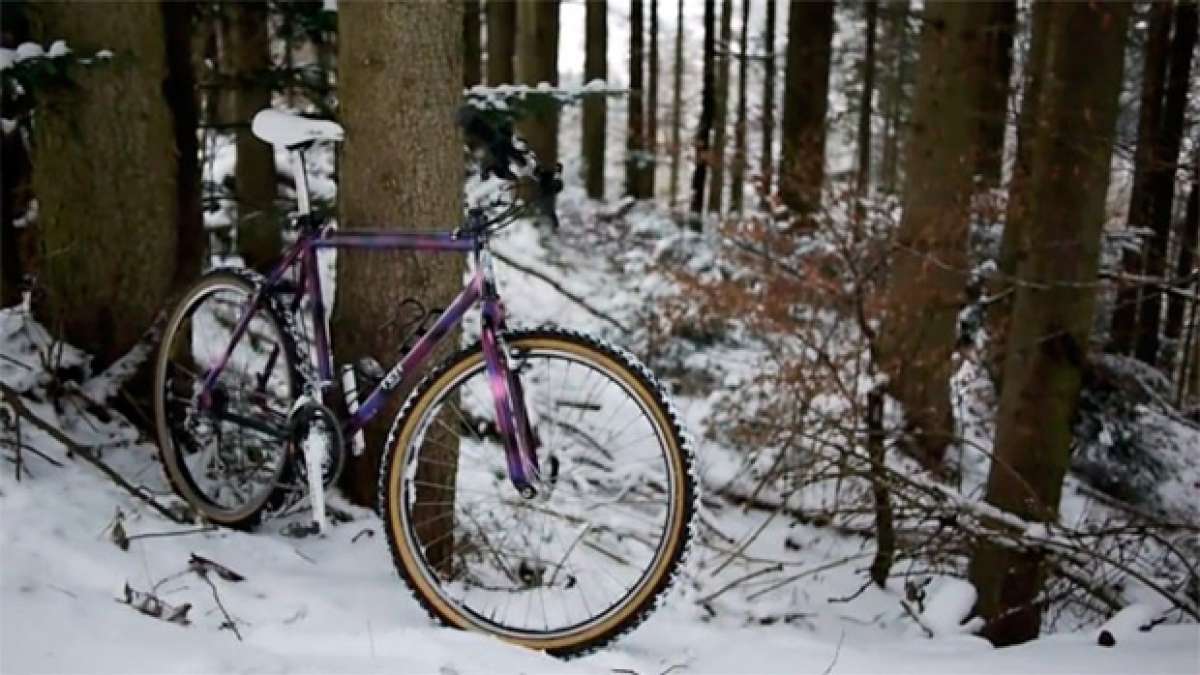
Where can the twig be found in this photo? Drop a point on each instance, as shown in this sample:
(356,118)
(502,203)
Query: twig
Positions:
(13,399)
(915,617)
(217,598)
(562,290)
(777,567)
(836,651)
(178,533)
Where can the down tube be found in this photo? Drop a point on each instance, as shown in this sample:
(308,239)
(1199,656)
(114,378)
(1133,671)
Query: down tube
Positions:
(412,363)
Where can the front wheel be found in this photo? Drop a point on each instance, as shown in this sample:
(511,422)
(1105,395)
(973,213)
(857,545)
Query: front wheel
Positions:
(585,559)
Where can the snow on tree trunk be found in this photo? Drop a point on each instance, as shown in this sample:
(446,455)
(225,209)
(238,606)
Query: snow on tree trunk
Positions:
(1070,151)
(399,90)
(104,172)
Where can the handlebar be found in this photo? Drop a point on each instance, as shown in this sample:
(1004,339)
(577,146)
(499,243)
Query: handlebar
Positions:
(501,155)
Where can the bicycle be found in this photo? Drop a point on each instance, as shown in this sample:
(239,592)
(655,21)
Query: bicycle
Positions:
(537,485)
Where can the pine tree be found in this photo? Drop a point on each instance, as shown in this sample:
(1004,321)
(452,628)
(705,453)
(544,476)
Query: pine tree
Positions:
(651,169)
(1187,236)
(400,86)
(537,62)
(806,92)
(993,107)
(704,128)
(767,167)
(501,41)
(676,106)
(893,93)
(595,108)
(865,104)
(180,91)
(1070,149)
(737,178)
(105,176)
(472,50)
(721,114)
(635,134)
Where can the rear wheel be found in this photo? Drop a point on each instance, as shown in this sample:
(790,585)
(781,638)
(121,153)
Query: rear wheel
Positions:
(584,560)
(230,459)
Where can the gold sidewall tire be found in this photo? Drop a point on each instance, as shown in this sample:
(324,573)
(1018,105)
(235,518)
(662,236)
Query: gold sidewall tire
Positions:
(180,481)
(632,376)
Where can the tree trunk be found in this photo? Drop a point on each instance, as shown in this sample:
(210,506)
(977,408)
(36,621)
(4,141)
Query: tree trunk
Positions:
(247,52)
(1012,246)
(501,41)
(806,91)
(929,272)
(676,107)
(1162,177)
(737,178)
(635,141)
(720,117)
(595,108)
(400,86)
(865,109)
(1188,236)
(1071,147)
(106,179)
(893,99)
(767,168)
(704,128)
(537,62)
(472,51)
(180,92)
(993,106)
(650,170)
(1146,157)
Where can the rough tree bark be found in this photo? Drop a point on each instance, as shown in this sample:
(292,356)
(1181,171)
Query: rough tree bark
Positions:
(537,62)
(1188,236)
(595,108)
(635,140)
(1162,177)
(105,176)
(892,96)
(737,177)
(716,188)
(400,86)
(676,104)
(246,51)
(926,289)
(767,167)
(865,108)
(704,128)
(472,50)
(806,90)
(993,106)
(1070,151)
(501,41)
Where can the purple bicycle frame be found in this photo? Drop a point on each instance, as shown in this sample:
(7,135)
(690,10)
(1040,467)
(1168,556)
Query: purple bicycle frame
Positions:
(511,416)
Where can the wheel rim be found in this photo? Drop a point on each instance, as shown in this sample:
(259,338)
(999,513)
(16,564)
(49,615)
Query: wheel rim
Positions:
(228,469)
(585,552)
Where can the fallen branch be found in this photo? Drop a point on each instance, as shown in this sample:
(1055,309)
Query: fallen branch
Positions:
(561,289)
(13,399)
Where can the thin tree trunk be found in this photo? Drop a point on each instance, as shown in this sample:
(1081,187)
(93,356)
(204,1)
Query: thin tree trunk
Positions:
(15,170)
(676,107)
(767,168)
(501,41)
(704,128)
(537,62)
(247,52)
(1188,236)
(1162,177)
(650,170)
(716,188)
(1147,156)
(595,108)
(106,180)
(893,100)
(400,86)
(865,109)
(180,92)
(993,107)
(737,179)
(472,50)
(1070,151)
(802,165)
(635,140)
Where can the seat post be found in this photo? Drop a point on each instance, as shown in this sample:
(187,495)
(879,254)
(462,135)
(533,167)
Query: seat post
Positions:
(300,176)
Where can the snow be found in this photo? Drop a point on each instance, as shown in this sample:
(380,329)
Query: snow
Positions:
(29,50)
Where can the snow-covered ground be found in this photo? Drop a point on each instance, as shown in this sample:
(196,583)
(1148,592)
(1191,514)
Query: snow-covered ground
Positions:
(335,604)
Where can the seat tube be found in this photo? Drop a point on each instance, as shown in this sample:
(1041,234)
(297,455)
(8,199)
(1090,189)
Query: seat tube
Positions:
(300,175)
